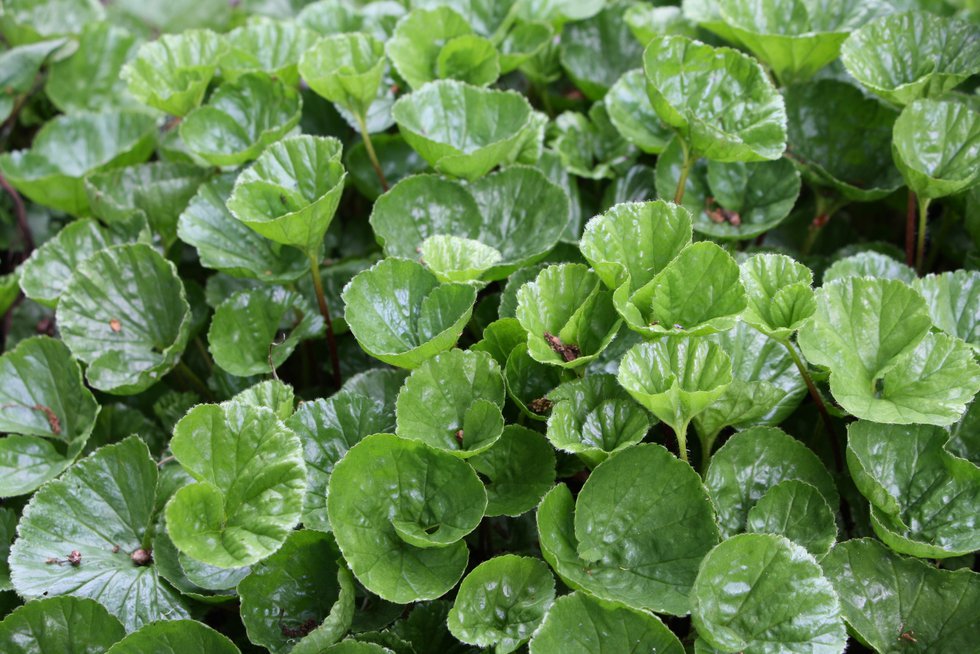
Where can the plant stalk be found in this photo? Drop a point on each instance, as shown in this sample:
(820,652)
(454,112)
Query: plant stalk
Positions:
(821,407)
(321,299)
(20,213)
(685,171)
(681,435)
(920,248)
(910,230)
(372,155)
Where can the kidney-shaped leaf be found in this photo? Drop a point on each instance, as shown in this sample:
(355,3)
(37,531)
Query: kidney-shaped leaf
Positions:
(796,510)
(59,624)
(400,510)
(45,275)
(778,295)
(517,471)
(174,637)
(346,69)
(240,508)
(266,46)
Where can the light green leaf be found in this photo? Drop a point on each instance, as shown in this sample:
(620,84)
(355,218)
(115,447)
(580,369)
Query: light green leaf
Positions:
(469,58)
(290,194)
(45,275)
(796,510)
(455,259)
(936,145)
(752,462)
(70,147)
(89,80)
(487,17)
(869,264)
(239,510)
(923,499)
(59,624)
(632,114)
(594,417)
(382,520)
(600,628)
(400,313)
(440,400)
(953,299)
(346,69)
(591,146)
(778,294)
(463,130)
(19,67)
(568,315)
(102,507)
(172,16)
(299,599)
(849,156)
(174,637)
(762,593)
(172,73)
(226,244)
(28,21)
(693,86)
(893,603)
(917,54)
(241,119)
(617,541)
(518,470)
(255,331)
(126,315)
(522,43)
(501,602)
(608,33)
(266,46)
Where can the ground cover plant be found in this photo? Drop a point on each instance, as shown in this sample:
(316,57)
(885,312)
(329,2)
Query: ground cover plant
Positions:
(449,326)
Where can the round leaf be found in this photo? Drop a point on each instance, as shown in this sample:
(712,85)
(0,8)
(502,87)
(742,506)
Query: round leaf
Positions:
(420,38)
(798,511)
(346,69)
(89,80)
(59,624)
(633,115)
(45,275)
(518,470)
(174,637)
(266,46)
(778,294)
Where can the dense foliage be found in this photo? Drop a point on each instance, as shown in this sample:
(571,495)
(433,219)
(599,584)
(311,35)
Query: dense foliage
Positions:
(447,326)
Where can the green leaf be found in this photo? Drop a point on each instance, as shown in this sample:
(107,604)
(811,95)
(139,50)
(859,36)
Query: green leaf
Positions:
(298,595)
(632,113)
(381,386)
(271,47)
(953,299)
(45,275)
(912,55)
(762,593)
(455,259)
(746,199)
(241,119)
(388,497)
(351,646)
(794,39)
(778,294)
(46,410)
(89,80)
(126,315)
(173,16)
(885,365)
(605,32)
(255,331)
(19,67)
(8,531)
(618,540)
(517,212)
(595,417)
(869,264)
(752,462)
(174,637)
(59,624)
(328,428)
(70,147)
(796,510)
(226,244)
(522,43)
(568,315)
(923,499)
(400,313)
(849,156)
(102,507)
(893,603)
(469,58)
(591,146)
(676,378)
(172,73)
(476,130)
(693,86)
(441,400)
(936,167)
(501,602)
(600,628)
(346,69)
(518,470)
(28,21)
(488,17)
(240,510)
(529,382)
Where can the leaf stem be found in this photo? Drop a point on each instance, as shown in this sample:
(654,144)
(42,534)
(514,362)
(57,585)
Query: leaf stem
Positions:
(20,213)
(321,299)
(681,435)
(194,380)
(910,230)
(920,248)
(818,400)
(689,159)
(706,445)
(372,155)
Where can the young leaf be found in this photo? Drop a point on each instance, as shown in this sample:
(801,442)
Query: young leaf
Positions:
(400,314)
(469,58)
(301,594)
(266,46)
(518,470)
(89,79)
(455,259)
(477,129)
(796,510)
(869,264)
(241,119)
(693,86)
(176,636)
(59,624)
(917,54)
(70,147)
(346,69)
(529,382)
(616,540)
(45,275)
(568,315)
(290,194)
(239,510)
(890,601)
(46,411)
(453,402)
(922,498)
(600,628)
(501,602)
(403,544)
(608,33)
(779,299)
(762,593)
(591,146)
(953,299)
(172,73)
(102,508)
(127,349)
(632,114)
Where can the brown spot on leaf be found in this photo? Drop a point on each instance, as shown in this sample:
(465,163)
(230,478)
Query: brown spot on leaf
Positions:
(142,557)
(53,422)
(459,437)
(115,325)
(75,558)
(568,352)
(540,405)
